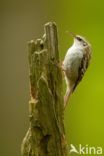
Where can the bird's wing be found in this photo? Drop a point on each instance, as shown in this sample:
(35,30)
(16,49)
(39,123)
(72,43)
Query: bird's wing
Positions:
(83,67)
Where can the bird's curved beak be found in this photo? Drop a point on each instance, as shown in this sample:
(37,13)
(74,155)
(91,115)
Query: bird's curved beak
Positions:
(72,35)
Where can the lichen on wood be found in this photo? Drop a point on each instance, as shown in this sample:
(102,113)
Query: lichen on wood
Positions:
(46,136)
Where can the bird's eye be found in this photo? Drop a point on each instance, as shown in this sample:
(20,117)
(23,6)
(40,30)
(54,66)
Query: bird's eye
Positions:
(79,39)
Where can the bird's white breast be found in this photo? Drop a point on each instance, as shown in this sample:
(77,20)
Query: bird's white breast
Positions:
(72,60)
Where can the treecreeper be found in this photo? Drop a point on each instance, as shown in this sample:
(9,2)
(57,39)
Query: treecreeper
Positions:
(75,64)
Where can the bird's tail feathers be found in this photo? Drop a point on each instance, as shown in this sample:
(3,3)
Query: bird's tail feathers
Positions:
(68,93)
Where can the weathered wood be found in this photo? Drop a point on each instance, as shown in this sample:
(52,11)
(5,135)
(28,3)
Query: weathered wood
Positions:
(45,136)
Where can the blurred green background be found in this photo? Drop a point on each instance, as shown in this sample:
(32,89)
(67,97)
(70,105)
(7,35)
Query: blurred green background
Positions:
(21,21)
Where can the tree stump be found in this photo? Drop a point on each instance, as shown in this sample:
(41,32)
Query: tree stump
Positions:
(46,136)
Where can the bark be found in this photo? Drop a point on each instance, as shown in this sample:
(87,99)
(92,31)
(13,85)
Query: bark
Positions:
(46,136)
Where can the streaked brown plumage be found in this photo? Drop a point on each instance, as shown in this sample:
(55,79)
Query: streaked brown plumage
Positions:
(75,64)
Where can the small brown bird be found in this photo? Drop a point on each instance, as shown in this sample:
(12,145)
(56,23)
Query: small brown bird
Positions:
(75,63)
